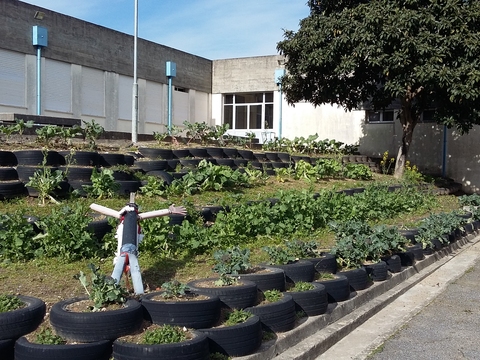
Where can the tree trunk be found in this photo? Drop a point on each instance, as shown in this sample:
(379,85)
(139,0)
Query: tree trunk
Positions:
(408,121)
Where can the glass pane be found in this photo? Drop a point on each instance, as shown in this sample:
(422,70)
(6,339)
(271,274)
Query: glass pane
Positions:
(228,99)
(240,117)
(228,115)
(373,116)
(388,116)
(255,117)
(269,97)
(269,116)
(248,98)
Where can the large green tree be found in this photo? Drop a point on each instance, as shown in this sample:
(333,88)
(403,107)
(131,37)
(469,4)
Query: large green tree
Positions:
(422,54)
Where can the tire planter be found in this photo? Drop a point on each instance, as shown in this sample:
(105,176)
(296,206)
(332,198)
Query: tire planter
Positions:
(123,175)
(113,159)
(79,186)
(25,172)
(231,153)
(225,162)
(325,263)
(190,163)
(7,158)
(98,350)
(80,158)
(95,326)
(311,302)
(77,173)
(272,156)
(156,153)
(180,153)
(246,154)
(338,289)
(357,278)
(16,323)
(127,187)
(35,157)
(163,175)
(12,189)
(240,162)
(215,152)
(284,157)
(417,252)
(8,173)
(409,234)
(278,316)
(377,271)
(6,348)
(152,165)
(237,340)
(239,296)
(394,263)
(194,349)
(267,279)
(199,153)
(301,270)
(194,314)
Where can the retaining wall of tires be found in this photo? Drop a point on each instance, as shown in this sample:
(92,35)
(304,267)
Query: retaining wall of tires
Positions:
(320,311)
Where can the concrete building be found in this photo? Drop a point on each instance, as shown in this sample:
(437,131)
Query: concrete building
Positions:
(86,72)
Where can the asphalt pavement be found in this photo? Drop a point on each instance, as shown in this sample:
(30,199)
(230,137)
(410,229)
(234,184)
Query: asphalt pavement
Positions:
(438,318)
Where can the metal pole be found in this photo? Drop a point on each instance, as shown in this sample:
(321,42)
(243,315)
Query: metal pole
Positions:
(39,80)
(135,84)
(280,114)
(444,154)
(170,105)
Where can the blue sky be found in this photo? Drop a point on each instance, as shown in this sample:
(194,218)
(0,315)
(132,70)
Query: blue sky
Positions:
(213,29)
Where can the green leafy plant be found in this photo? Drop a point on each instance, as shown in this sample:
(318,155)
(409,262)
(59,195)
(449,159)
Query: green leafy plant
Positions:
(301,286)
(10,303)
(64,234)
(46,181)
(103,184)
(165,334)
(278,255)
(16,238)
(229,263)
(103,289)
(302,249)
(17,128)
(47,336)
(92,132)
(357,172)
(47,133)
(272,295)
(174,289)
(153,187)
(236,316)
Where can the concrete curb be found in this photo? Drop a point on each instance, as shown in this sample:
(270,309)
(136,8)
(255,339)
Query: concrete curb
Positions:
(316,334)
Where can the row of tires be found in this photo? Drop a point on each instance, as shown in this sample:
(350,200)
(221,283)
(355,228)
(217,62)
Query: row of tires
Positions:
(98,333)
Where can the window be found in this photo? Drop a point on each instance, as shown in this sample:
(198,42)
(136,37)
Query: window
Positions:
(427,116)
(380,116)
(248,111)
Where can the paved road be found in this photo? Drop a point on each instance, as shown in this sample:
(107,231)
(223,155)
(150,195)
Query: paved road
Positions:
(448,328)
(439,318)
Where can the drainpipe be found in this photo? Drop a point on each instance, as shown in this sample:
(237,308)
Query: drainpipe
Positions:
(39,40)
(171,72)
(279,73)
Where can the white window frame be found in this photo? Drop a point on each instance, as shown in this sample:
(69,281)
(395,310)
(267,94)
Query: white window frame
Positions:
(234,105)
(381,114)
